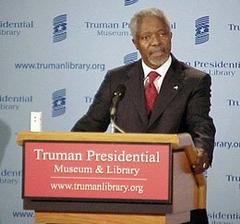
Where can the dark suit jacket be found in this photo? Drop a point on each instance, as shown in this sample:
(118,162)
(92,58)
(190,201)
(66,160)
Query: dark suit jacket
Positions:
(182,105)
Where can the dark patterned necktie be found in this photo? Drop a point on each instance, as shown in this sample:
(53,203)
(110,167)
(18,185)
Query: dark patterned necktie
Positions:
(151,91)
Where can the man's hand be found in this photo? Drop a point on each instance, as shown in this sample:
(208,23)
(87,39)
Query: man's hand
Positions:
(202,162)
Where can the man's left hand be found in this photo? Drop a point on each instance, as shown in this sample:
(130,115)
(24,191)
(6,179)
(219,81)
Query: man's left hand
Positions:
(202,162)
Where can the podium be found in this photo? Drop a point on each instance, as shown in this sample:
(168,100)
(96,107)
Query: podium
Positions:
(187,190)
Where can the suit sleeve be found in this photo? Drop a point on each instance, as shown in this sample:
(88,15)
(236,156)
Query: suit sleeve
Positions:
(199,123)
(97,117)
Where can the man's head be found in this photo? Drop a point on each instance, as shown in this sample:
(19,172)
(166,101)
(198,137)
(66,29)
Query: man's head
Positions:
(152,36)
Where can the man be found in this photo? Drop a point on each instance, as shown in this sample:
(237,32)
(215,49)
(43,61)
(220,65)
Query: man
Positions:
(182,103)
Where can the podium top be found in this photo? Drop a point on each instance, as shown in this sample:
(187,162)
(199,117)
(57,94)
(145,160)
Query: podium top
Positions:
(177,141)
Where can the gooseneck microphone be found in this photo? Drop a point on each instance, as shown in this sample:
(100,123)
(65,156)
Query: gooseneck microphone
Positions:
(118,95)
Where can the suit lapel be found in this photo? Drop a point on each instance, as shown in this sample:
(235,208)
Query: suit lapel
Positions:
(171,86)
(136,86)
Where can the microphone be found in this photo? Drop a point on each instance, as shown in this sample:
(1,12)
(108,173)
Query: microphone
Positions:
(118,94)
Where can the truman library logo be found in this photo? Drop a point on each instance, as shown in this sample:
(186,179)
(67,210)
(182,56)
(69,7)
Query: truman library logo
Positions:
(129,2)
(59,28)
(58,102)
(202,30)
(130,58)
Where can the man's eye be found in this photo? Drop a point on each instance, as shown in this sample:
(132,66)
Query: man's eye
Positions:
(162,34)
(146,37)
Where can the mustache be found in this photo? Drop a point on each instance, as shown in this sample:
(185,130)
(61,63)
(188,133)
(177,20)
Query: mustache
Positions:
(157,49)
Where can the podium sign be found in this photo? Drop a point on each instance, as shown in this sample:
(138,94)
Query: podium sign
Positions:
(130,178)
(98,171)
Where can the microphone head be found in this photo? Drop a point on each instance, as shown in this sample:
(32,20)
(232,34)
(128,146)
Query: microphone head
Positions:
(120,91)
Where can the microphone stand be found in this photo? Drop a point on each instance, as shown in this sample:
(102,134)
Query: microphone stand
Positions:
(114,126)
(118,94)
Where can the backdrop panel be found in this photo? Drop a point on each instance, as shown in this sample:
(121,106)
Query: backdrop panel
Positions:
(54,54)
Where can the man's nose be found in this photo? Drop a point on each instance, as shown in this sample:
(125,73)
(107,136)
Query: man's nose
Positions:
(156,39)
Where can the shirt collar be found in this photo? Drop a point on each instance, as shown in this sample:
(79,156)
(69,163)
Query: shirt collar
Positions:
(162,70)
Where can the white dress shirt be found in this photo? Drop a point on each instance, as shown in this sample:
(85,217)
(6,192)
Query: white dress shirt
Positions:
(162,70)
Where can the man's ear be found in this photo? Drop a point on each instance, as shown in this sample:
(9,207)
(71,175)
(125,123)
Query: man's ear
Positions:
(135,43)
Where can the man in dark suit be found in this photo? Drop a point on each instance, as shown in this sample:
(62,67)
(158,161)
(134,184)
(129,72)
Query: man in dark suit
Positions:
(182,103)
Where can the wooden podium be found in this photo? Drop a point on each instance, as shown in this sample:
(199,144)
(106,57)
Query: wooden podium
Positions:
(188,190)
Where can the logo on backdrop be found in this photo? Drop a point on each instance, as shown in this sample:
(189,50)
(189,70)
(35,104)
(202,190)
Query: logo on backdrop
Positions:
(58,102)
(60,28)
(202,30)
(13,103)
(14,28)
(219,68)
(130,58)
(129,2)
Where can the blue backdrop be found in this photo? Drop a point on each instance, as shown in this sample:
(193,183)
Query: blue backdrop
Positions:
(54,54)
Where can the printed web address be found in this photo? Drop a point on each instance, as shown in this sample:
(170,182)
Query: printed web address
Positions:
(105,186)
(59,66)
(23,214)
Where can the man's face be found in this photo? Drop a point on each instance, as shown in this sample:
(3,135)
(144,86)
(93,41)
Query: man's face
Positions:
(153,40)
